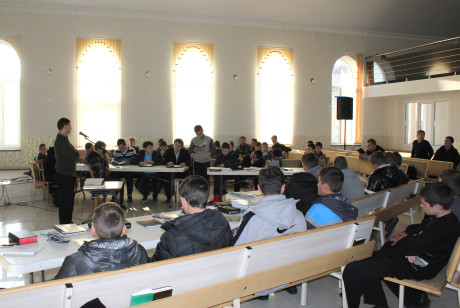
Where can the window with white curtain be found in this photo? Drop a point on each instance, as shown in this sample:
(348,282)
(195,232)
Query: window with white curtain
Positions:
(193,82)
(10,77)
(343,84)
(99,90)
(275,94)
(430,116)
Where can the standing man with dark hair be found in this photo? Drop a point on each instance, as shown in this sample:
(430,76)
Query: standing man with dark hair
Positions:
(199,230)
(66,170)
(418,253)
(447,152)
(202,147)
(421,148)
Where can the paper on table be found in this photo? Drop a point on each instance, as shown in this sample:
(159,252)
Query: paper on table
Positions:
(26,250)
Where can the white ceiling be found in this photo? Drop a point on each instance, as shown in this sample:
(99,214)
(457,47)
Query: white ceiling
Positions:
(407,18)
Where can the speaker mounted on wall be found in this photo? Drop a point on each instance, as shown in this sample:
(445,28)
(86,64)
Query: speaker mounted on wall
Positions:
(344,108)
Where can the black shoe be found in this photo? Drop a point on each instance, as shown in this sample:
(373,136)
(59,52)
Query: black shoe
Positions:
(92,197)
(130,199)
(155,197)
(262,298)
(292,290)
(423,301)
(168,200)
(144,197)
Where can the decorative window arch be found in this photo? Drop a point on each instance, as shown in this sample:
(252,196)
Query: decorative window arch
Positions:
(99,89)
(10,80)
(346,81)
(275,94)
(193,89)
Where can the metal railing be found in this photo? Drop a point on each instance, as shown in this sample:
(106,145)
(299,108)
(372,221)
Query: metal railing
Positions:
(437,59)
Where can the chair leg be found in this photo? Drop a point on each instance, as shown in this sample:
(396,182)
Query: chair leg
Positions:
(401,296)
(382,233)
(33,195)
(303,295)
(411,213)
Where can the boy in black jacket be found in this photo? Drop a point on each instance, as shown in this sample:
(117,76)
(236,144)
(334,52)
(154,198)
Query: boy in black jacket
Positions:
(113,250)
(418,253)
(227,160)
(199,230)
(148,156)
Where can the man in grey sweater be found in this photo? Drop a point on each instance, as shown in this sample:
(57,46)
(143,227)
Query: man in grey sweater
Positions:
(66,173)
(202,147)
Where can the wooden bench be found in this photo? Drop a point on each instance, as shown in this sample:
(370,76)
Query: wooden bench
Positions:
(213,278)
(446,277)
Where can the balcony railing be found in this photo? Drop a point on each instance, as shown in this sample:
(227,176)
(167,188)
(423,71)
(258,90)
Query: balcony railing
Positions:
(431,60)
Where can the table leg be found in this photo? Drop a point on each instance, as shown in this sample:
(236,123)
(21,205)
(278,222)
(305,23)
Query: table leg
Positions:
(173,188)
(31,275)
(220,188)
(43,276)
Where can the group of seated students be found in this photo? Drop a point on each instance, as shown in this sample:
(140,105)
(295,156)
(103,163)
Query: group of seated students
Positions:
(277,214)
(98,159)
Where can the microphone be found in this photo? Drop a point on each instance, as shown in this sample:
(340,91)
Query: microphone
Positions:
(81,133)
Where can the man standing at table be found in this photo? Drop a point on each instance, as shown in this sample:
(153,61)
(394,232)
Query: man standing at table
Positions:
(66,170)
(202,147)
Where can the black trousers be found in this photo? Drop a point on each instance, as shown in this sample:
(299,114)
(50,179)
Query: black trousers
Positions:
(202,169)
(142,184)
(364,278)
(66,186)
(167,181)
(117,176)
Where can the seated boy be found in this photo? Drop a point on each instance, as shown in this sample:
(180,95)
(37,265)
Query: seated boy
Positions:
(275,158)
(228,160)
(145,157)
(199,230)
(331,207)
(88,148)
(112,250)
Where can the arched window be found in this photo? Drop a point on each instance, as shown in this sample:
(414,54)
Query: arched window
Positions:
(275,94)
(379,74)
(99,90)
(193,101)
(343,84)
(10,77)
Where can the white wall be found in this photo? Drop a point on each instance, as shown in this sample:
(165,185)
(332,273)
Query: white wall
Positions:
(48,41)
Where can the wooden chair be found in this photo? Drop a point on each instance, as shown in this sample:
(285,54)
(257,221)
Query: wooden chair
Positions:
(436,285)
(37,170)
(96,196)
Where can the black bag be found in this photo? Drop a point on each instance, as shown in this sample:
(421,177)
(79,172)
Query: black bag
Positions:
(412,172)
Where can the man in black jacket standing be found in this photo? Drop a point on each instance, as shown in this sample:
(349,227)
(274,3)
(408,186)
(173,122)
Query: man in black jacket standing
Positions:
(419,252)
(421,148)
(199,230)
(66,170)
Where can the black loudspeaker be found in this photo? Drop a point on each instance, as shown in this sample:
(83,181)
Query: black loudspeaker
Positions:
(344,108)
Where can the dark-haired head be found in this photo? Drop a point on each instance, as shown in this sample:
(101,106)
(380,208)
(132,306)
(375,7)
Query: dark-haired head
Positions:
(195,190)
(271,181)
(108,220)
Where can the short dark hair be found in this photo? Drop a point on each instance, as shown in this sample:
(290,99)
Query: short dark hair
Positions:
(62,122)
(310,141)
(275,136)
(264,143)
(195,189)
(243,138)
(333,177)
(217,143)
(231,143)
(258,144)
(310,160)
(225,145)
(162,144)
(451,138)
(341,162)
(254,139)
(277,153)
(147,143)
(271,180)
(420,131)
(377,158)
(398,158)
(132,139)
(99,145)
(311,146)
(319,144)
(121,142)
(438,193)
(108,220)
(41,145)
(178,140)
(451,177)
(198,128)
(391,159)
(88,145)
(258,154)
(372,140)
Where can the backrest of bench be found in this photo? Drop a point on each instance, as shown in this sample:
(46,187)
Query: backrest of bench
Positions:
(436,167)
(403,192)
(368,203)
(420,164)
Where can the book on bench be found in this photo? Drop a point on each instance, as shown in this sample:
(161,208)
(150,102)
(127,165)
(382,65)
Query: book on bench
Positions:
(69,229)
(148,295)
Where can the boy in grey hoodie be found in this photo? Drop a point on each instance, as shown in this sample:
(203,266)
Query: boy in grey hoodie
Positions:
(273,215)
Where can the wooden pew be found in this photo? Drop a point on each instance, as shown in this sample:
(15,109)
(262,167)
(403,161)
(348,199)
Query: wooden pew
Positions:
(211,278)
(420,164)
